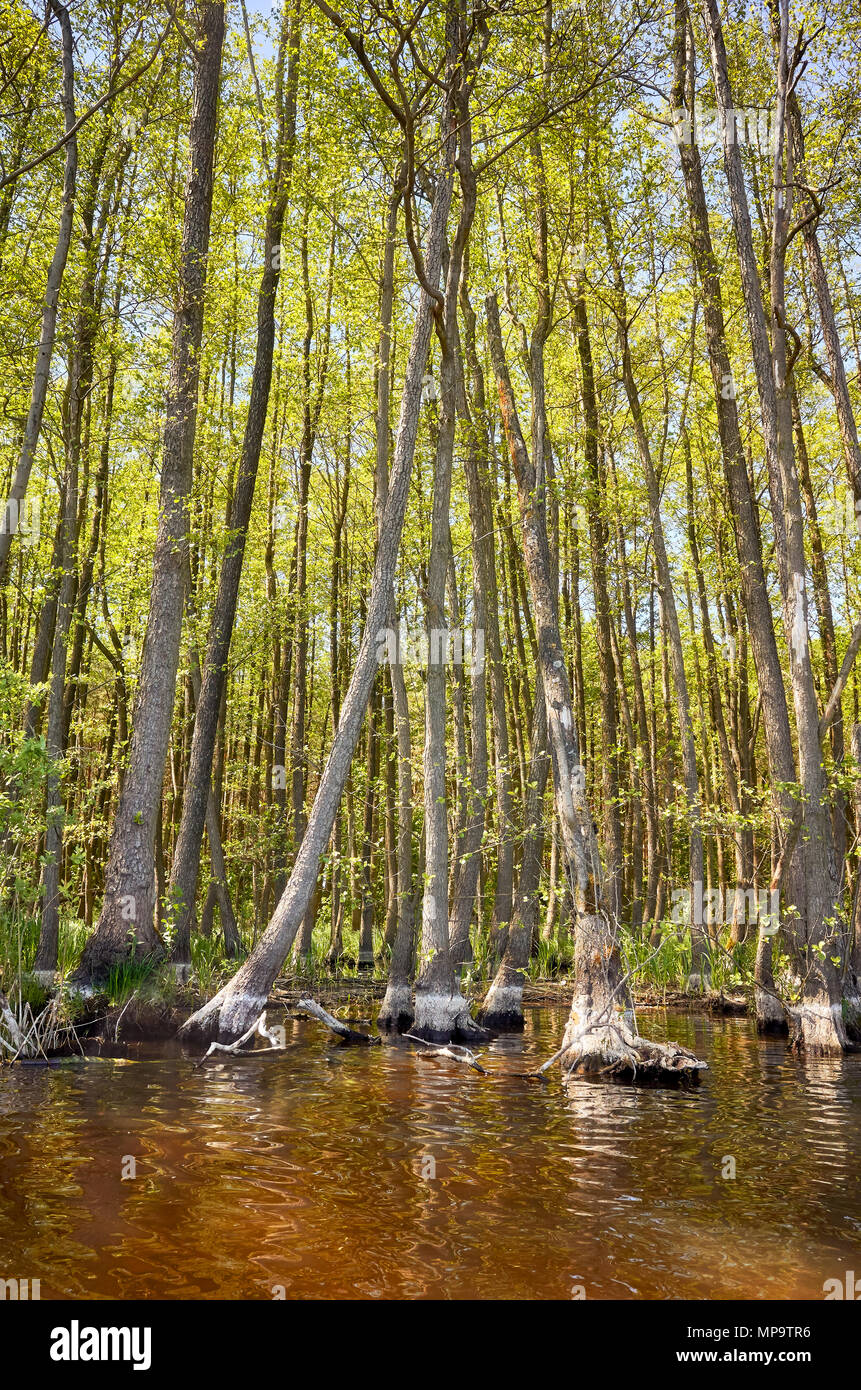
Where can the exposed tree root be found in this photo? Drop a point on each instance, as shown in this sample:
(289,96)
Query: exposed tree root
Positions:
(613,1051)
(228,1015)
(259,1026)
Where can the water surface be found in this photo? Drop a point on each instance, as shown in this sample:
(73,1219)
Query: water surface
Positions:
(337,1172)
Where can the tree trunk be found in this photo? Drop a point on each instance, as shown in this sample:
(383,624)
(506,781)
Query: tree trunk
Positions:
(441,1012)
(598,550)
(128,909)
(503,1004)
(818,1021)
(601,1035)
(481,503)
(467,878)
(769,1011)
(699,977)
(196,799)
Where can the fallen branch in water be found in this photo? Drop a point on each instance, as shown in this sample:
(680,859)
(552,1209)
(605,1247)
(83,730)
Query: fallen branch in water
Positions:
(539,1072)
(455,1051)
(315,1010)
(259,1026)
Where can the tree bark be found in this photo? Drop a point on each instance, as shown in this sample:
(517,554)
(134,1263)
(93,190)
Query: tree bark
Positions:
(128,908)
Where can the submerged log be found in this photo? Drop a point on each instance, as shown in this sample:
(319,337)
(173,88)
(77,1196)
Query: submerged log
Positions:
(335,1025)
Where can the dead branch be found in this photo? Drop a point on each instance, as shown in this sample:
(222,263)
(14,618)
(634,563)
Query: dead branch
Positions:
(315,1010)
(259,1026)
(455,1051)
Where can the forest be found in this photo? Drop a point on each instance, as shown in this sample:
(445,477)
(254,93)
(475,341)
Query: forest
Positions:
(430,554)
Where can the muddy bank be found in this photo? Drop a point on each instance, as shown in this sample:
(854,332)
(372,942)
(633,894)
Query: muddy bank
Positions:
(151,1019)
(556,993)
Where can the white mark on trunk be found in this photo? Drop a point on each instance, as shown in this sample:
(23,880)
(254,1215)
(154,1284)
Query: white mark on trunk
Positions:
(503,999)
(397,1003)
(441,1013)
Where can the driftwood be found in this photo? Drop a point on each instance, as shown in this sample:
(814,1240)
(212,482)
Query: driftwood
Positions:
(343,1030)
(455,1051)
(259,1026)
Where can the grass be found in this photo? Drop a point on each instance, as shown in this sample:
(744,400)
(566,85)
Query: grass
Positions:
(149,978)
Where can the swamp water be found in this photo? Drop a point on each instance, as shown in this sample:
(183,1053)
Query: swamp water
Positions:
(335,1172)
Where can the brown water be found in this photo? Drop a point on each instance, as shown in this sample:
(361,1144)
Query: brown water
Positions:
(309,1170)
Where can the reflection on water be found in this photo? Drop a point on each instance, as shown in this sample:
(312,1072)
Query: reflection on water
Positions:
(309,1170)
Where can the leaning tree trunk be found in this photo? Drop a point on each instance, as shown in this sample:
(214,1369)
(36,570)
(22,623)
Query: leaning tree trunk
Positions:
(601,1034)
(232,1011)
(128,908)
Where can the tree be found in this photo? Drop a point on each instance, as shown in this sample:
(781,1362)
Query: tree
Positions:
(128,909)
(230,1012)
